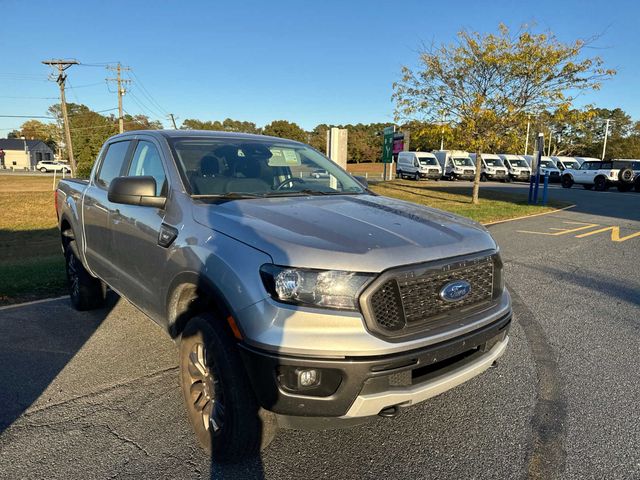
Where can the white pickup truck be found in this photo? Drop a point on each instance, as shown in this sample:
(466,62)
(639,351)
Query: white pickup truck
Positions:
(600,175)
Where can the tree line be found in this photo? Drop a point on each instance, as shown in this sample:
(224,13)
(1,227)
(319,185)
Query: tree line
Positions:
(576,132)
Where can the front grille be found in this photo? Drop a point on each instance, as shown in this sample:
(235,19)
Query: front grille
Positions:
(409,300)
(468,172)
(555,174)
(434,170)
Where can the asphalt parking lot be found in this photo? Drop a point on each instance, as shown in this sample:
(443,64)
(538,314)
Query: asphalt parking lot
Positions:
(96,395)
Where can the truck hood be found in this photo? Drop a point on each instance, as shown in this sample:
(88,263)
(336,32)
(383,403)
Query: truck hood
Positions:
(363,233)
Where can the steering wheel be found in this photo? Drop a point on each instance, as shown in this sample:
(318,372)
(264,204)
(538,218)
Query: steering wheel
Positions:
(288,180)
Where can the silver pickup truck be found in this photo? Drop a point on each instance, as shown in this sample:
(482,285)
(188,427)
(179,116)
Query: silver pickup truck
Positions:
(296,300)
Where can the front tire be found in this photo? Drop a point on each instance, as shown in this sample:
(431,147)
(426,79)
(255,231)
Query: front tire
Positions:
(567,181)
(220,402)
(86,292)
(416,176)
(600,184)
(43,170)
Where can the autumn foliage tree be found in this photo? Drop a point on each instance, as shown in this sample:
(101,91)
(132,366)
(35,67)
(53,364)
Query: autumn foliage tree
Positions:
(487,83)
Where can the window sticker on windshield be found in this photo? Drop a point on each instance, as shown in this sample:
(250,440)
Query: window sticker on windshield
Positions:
(283,157)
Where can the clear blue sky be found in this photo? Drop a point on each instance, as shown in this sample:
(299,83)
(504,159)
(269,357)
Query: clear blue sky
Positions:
(309,62)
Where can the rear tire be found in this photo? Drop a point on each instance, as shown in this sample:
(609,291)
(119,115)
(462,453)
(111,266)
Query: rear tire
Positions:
(43,170)
(567,181)
(600,184)
(220,402)
(86,292)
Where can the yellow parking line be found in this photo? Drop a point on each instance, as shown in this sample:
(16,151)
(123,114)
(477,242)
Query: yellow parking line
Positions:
(615,234)
(563,231)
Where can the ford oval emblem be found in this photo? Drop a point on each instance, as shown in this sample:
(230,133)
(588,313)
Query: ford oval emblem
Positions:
(455,291)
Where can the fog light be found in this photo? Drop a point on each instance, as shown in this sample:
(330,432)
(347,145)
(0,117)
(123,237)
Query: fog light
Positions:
(308,378)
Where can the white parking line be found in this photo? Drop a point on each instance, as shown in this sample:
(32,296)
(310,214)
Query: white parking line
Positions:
(34,302)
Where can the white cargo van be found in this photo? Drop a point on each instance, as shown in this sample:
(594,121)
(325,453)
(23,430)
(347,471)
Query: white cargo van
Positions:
(418,165)
(456,164)
(492,167)
(547,165)
(566,162)
(517,166)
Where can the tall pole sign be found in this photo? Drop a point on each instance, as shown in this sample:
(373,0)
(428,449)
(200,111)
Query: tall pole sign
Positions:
(387,147)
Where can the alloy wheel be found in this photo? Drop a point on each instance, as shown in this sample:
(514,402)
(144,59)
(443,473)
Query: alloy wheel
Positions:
(206,394)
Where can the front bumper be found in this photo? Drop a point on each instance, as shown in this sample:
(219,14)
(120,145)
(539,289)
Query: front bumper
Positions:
(359,387)
(430,176)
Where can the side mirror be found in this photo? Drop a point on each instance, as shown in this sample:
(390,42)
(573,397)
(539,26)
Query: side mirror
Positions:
(135,191)
(362,181)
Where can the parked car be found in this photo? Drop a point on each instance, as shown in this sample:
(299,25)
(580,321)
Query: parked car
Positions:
(418,165)
(294,303)
(492,167)
(565,162)
(53,166)
(319,173)
(456,164)
(600,175)
(517,167)
(547,166)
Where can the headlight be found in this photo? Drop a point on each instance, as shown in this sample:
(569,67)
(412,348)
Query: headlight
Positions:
(316,288)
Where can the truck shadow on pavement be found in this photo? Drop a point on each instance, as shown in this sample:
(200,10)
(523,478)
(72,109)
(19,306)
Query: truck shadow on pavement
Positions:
(33,353)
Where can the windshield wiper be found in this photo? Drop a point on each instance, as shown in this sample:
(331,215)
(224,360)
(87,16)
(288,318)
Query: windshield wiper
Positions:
(228,196)
(297,193)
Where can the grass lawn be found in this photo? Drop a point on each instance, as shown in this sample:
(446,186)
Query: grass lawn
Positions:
(31,265)
(456,198)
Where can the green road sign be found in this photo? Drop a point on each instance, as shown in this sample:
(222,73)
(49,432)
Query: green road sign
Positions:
(387,145)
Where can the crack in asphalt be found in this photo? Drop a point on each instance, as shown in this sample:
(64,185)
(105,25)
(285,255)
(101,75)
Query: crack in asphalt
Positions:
(99,391)
(546,454)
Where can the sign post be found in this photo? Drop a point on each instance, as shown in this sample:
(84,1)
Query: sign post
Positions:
(387,147)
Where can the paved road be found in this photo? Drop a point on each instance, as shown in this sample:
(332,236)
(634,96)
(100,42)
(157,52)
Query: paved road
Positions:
(96,394)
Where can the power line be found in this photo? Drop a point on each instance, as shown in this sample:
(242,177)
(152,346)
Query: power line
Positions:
(30,98)
(144,107)
(25,116)
(148,94)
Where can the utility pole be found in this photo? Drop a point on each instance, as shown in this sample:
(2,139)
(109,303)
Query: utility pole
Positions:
(173,120)
(442,132)
(62,65)
(121,90)
(526,142)
(606,134)
(550,139)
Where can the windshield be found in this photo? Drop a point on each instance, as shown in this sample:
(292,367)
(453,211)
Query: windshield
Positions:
(493,162)
(427,161)
(547,164)
(247,167)
(462,161)
(519,163)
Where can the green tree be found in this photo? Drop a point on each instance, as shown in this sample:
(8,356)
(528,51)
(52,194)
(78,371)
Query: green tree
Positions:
(285,129)
(487,84)
(49,133)
(227,125)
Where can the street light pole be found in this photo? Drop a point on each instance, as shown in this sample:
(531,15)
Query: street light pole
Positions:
(606,134)
(526,142)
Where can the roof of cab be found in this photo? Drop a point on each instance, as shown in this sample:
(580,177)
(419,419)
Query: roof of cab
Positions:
(203,133)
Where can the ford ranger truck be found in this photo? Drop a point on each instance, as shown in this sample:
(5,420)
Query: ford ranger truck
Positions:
(296,301)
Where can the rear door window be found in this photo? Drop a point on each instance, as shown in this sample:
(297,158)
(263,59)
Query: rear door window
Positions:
(112,163)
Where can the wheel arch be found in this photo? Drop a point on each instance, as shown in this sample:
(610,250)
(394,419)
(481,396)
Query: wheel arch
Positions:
(190,294)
